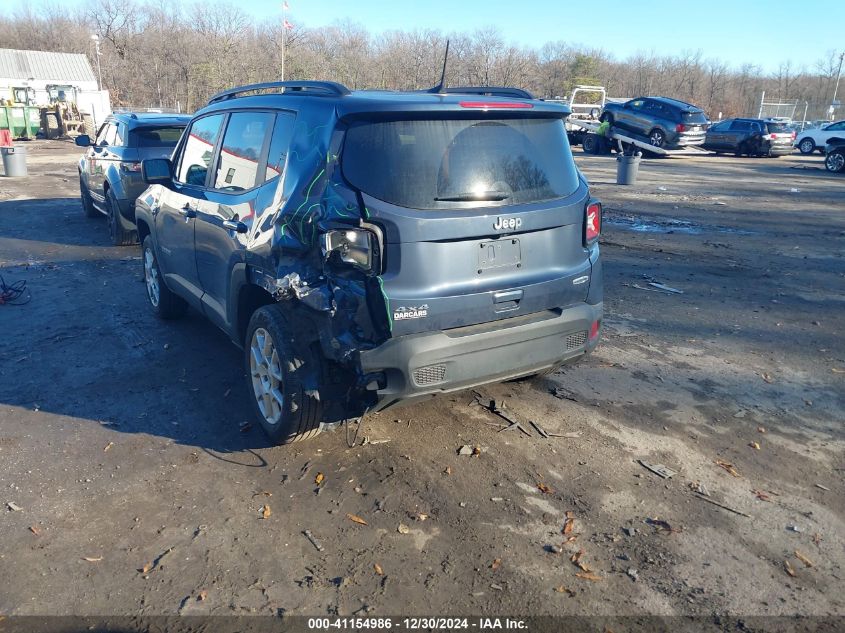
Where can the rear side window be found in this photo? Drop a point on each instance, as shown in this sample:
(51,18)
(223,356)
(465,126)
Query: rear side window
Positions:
(241,153)
(278,153)
(198,150)
(155,136)
(458,163)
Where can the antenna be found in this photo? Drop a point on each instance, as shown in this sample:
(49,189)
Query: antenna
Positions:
(438,89)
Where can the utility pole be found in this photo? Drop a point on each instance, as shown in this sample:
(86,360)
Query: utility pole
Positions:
(836,88)
(96,39)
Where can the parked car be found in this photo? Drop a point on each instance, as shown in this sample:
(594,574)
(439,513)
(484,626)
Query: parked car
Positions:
(834,159)
(816,138)
(754,137)
(667,123)
(110,170)
(368,248)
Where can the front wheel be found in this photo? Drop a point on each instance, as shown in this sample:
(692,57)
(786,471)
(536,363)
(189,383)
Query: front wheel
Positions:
(164,303)
(835,162)
(283,377)
(87,204)
(806,146)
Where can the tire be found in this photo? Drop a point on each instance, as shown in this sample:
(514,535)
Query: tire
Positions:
(164,303)
(119,236)
(806,146)
(52,120)
(87,204)
(88,126)
(283,378)
(835,162)
(590,144)
(657,137)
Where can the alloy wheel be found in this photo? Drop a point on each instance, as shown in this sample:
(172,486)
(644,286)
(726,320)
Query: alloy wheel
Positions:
(266,371)
(657,138)
(151,277)
(835,161)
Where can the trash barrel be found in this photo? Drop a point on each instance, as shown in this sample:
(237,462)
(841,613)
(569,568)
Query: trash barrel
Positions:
(627,168)
(14,161)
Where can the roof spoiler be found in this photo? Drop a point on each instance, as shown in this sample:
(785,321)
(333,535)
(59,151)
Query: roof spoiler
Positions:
(314,88)
(491,91)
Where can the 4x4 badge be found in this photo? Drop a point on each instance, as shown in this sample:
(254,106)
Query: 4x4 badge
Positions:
(504,224)
(410,312)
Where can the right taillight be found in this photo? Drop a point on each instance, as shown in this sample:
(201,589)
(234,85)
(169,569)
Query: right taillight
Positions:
(592,222)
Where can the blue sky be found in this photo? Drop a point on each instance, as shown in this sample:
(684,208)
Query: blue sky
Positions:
(761,32)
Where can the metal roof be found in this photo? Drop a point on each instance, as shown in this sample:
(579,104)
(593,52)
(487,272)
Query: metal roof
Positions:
(40,65)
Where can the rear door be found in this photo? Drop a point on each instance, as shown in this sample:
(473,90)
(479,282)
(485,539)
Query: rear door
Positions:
(241,180)
(482,217)
(177,207)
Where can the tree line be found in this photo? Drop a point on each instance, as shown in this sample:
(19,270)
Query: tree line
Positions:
(160,53)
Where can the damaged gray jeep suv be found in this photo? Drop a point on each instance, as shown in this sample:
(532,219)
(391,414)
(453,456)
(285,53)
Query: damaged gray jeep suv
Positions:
(368,248)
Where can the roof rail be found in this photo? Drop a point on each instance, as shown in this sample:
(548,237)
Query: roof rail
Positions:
(328,88)
(491,91)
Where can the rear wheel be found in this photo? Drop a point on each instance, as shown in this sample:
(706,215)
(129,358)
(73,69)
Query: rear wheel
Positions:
(283,376)
(87,204)
(119,236)
(590,143)
(806,146)
(835,162)
(164,303)
(657,138)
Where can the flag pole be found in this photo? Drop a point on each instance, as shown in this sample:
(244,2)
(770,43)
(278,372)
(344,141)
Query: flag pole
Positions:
(284,33)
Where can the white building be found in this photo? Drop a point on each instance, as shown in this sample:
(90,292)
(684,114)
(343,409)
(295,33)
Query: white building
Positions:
(41,78)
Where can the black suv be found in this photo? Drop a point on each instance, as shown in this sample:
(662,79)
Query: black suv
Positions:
(754,137)
(366,248)
(666,123)
(110,170)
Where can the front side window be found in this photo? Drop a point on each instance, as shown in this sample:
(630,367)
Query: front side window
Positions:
(101,137)
(460,163)
(198,150)
(835,127)
(241,152)
(637,104)
(740,126)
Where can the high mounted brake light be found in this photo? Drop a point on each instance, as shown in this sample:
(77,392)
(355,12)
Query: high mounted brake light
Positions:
(507,105)
(592,222)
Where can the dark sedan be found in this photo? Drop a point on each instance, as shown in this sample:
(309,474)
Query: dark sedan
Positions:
(110,170)
(752,137)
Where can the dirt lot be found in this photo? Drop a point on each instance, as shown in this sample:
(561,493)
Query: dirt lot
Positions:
(128,486)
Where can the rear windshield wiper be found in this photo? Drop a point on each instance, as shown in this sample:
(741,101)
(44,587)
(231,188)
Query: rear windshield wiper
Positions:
(473,196)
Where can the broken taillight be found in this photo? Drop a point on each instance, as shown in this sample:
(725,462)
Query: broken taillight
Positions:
(592,222)
(594,331)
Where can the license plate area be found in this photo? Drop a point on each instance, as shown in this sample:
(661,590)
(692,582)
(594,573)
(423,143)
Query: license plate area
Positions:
(501,254)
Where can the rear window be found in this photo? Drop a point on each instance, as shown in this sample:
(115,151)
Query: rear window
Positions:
(693,118)
(458,163)
(156,136)
(777,128)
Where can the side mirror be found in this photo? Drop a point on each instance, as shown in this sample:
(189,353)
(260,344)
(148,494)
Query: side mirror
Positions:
(83,140)
(157,171)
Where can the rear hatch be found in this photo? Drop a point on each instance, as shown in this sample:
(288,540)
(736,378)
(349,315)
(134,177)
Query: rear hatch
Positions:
(146,142)
(482,215)
(693,126)
(779,134)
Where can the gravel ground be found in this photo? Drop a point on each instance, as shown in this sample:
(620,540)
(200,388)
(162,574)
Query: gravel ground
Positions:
(129,487)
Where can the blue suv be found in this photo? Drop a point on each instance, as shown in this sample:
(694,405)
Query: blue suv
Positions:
(369,248)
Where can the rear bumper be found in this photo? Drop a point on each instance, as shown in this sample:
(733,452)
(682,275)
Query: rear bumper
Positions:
(420,365)
(685,140)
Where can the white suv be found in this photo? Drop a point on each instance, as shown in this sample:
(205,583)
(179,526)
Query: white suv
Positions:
(817,138)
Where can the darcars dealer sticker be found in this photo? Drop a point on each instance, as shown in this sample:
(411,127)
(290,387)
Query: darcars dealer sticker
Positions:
(410,312)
